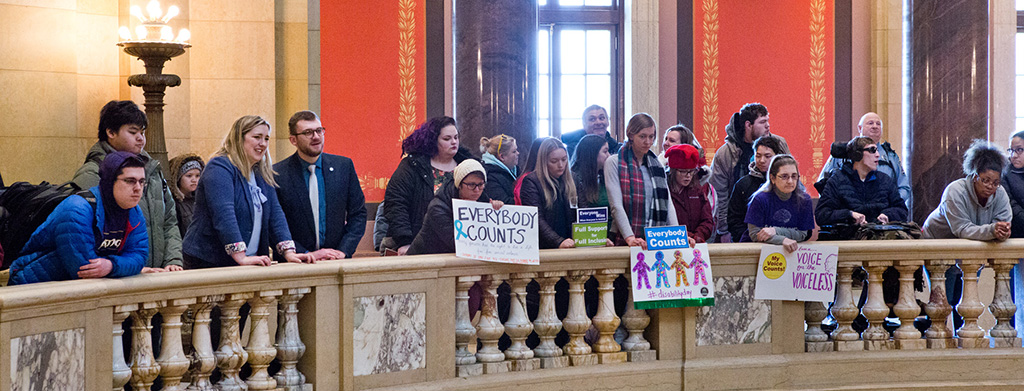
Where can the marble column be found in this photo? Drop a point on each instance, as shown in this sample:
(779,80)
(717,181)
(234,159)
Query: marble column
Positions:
(203,361)
(547,325)
(576,322)
(845,310)
(289,344)
(608,351)
(949,92)
(145,369)
(172,360)
(120,370)
(465,333)
(495,69)
(260,349)
(637,347)
(231,355)
(1003,334)
(489,328)
(907,336)
(938,309)
(972,336)
(876,337)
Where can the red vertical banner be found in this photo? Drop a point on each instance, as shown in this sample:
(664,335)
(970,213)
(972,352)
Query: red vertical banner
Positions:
(781,54)
(372,83)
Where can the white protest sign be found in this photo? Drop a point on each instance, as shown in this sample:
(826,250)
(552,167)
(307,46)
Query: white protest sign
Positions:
(681,277)
(807,274)
(506,235)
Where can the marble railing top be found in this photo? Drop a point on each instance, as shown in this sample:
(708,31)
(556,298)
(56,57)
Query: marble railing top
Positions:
(73,296)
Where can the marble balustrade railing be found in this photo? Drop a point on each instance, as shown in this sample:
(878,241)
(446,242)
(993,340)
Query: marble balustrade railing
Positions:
(394,322)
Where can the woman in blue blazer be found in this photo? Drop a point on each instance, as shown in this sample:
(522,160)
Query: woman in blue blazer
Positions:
(237,215)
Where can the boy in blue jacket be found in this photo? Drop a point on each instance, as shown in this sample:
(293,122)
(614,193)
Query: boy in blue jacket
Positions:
(79,240)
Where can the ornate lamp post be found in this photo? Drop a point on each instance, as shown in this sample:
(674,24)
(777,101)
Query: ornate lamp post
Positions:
(154,44)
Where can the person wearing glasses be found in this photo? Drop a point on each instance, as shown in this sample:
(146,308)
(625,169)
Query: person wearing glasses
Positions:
(1013,182)
(468,182)
(693,208)
(780,212)
(551,188)
(859,193)
(870,125)
(765,148)
(237,217)
(974,207)
(122,127)
(96,233)
(319,193)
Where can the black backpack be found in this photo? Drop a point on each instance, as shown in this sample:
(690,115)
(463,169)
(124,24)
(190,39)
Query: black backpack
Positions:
(24,207)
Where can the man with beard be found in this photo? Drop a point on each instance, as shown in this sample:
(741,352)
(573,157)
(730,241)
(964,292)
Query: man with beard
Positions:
(595,121)
(319,193)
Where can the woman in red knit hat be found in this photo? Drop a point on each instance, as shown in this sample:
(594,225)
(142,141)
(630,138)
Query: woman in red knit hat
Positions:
(691,201)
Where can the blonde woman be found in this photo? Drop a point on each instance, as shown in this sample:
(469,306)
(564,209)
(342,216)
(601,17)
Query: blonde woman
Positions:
(551,189)
(500,157)
(237,215)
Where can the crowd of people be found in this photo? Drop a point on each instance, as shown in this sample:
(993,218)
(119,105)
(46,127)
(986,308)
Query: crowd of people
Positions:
(239,208)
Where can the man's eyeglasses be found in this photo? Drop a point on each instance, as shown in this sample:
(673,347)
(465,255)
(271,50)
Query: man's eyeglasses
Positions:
(871,149)
(473,186)
(788,177)
(309,132)
(132,182)
(1015,151)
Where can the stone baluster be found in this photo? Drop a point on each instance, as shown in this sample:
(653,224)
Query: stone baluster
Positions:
(606,320)
(231,355)
(172,360)
(876,337)
(465,333)
(1003,335)
(289,344)
(518,325)
(576,322)
(144,366)
(938,309)
(260,349)
(815,339)
(970,334)
(547,325)
(845,311)
(489,328)
(203,362)
(121,372)
(907,336)
(636,321)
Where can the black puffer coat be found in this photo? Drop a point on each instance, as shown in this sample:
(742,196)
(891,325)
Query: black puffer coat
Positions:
(500,184)
(555,223)
(845,193)
(408,193)
(1013,182)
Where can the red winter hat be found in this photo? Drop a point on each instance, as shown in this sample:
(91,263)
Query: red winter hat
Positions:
(684,157)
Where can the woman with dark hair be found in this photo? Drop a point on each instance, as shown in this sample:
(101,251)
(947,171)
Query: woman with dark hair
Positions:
(1013,182)
(531,163)
(780,211)
(974,207)
(500,157)
(858,193)
(637,189)
(675,135)
(551,189)
(237,215)
(432,152)
(185,171)
(765,148)
(693,209)
(588,171)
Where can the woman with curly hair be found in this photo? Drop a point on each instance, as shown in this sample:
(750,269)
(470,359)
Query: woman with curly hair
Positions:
(431,152)
(974,207)
(185,171)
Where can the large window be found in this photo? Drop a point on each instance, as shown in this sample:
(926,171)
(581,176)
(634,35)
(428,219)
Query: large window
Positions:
(579,63)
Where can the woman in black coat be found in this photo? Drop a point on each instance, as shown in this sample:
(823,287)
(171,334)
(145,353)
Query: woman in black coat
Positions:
(551,189)
(432,153)
(858,194)
(437,235)
(1013,182)
(500,157)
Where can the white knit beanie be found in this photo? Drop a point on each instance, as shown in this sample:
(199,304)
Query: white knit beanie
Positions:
(467,167)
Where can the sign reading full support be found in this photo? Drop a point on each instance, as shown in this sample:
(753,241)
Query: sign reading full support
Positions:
(591,227)
(671,278)
(807,274)
(506,235)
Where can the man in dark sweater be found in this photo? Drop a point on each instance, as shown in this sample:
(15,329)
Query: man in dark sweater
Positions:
(595,121)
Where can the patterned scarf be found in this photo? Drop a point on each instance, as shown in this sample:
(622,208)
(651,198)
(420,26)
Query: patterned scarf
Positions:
(631,179)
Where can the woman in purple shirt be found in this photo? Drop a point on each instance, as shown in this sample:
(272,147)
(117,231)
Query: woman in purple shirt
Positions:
(780,212)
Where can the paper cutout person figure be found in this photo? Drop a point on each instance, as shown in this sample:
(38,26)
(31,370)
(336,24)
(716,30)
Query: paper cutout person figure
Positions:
(680,267)
(661,268)
(698,264)
(641,272)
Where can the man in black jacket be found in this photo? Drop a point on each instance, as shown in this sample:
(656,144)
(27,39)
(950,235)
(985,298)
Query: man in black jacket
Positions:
(595,121)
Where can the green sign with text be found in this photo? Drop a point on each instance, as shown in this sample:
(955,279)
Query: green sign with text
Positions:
(589,235)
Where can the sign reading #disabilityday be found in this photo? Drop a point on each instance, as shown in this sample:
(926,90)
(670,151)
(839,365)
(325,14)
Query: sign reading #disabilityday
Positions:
(807,274)
(671,278)
(506,235)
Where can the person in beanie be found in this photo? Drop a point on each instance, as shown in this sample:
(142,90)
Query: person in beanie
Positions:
(82,240)
(693,209)
(185,171)
(438,233)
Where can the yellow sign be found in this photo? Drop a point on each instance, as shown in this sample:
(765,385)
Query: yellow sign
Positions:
(774,266)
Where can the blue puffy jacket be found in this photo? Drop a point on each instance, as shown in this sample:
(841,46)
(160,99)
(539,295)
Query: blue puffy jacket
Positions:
(68,239)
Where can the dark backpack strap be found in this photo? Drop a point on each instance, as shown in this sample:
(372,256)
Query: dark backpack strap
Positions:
(91,198)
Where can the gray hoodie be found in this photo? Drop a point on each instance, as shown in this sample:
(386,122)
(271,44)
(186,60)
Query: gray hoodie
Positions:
(960,215)
(724,174)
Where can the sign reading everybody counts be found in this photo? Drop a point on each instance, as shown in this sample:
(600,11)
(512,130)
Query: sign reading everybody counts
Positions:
(506,235)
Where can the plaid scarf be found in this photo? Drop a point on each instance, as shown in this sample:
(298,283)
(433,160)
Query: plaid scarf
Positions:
(631,179)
